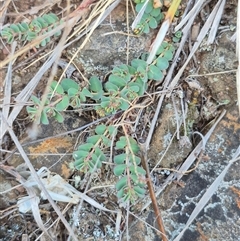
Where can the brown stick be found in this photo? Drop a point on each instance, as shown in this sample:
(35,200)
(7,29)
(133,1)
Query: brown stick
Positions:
(151,192)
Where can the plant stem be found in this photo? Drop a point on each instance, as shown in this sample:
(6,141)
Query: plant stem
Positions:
(151,191)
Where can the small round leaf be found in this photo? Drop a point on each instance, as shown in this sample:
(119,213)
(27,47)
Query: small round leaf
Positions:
(100,129)
(155,73)
(95,84)
(121,183)
(120,159)
(119,169)
(162,63)
(67,83)
(63,104)
(152,23)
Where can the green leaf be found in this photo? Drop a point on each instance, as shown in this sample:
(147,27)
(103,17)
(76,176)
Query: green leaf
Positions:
(10,38)
(98,95)
(137,170)
(128,196)
(139,7)
(134,146)
(124,93)
(93,139)
(168,55)
(116,80)
(75,102)
(96,159)
(100,129)
(63,104)
(160,50)
(67,84)
(80,154)
(121,183)
(146,28)
(36,26)
(58,117)
(5,33)
(124,105)
(160,17)
(42,21)
(134,87)
(135,159)
(120,193)
(100,154)
(155,12)
(135,179)
(24,26)
(111,87)
(85,147)
(131,70)
(138,63)
(122,71)
(55,86)
(162,63)
(121,143)
(35,100)
(86,92)
(178,34)
(120,159)
(15,28)
(50,18)
(119,169)
(123,67)
(152,23)
(112,130)
(95,84)
(58,33)
(72,92)
(142,74)
(31,110)
(43,43)
(106,141)
(31,35)
(149,7)
(79,164)
(47,39)
(142,86)
(44,119)
(175,39)
(105,103)
(155,73)
(140,191)
(82,97)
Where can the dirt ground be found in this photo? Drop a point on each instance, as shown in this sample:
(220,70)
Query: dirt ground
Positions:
(213,68)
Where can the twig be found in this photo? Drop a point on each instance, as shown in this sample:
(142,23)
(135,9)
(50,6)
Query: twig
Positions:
(151,191)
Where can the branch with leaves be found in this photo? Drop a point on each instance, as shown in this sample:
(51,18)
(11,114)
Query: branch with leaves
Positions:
(27,32)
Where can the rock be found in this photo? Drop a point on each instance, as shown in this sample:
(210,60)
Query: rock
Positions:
(52,152)
(108,45)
